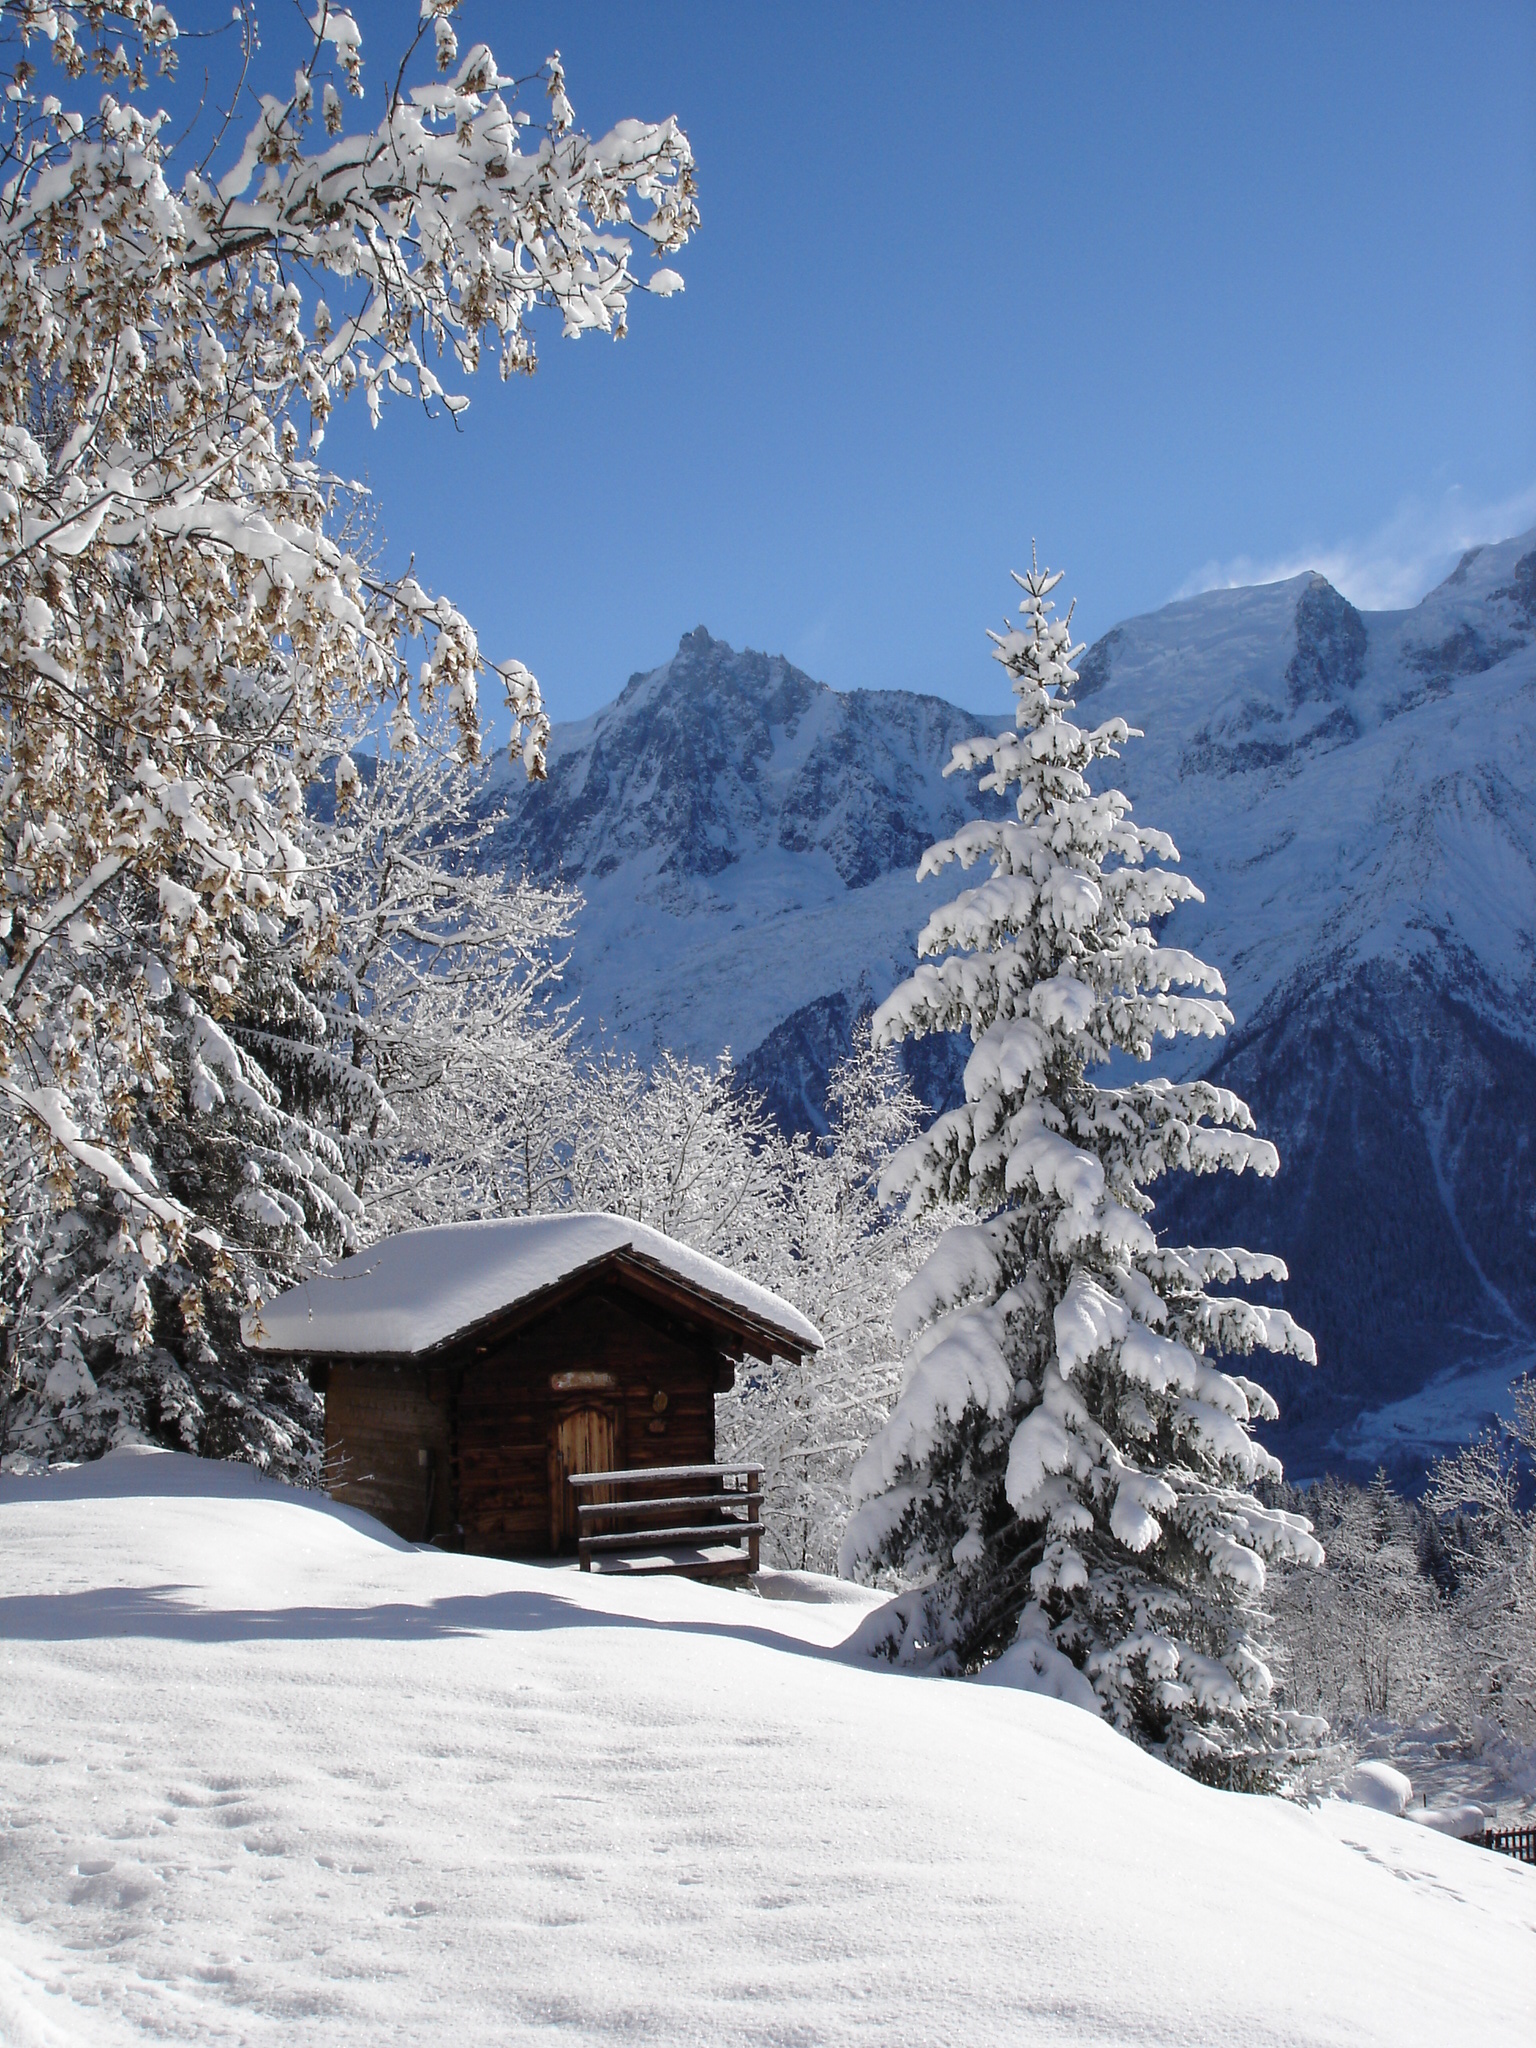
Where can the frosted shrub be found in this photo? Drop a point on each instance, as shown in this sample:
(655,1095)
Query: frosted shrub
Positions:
(1372,1635)
(1482,1497)
(840,1255)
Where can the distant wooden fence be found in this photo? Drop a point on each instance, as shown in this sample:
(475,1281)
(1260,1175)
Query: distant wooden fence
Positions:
(1517,1842)
(698,1521)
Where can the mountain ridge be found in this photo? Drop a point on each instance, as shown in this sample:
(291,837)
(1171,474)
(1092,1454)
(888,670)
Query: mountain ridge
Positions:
(1354,792)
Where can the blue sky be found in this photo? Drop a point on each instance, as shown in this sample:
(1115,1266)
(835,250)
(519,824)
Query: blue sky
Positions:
(1192,294)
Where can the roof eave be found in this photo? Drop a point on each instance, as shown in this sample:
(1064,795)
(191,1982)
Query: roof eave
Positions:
(755,1335)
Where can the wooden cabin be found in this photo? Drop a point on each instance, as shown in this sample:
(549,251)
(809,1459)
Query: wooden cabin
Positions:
(471,1369)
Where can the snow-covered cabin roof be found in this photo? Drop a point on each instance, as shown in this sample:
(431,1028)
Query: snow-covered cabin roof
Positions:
(413,1292)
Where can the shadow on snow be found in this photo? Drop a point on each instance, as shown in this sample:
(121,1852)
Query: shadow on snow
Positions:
(161,1612)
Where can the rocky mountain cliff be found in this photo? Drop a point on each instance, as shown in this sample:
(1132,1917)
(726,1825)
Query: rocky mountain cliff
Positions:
(1355,793)
(746,840)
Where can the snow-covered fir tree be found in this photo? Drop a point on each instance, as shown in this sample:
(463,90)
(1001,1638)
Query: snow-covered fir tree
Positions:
(182,621)
(1067,1478)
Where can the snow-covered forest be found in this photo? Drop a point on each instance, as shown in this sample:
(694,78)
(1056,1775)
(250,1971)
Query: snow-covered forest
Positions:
(273,990)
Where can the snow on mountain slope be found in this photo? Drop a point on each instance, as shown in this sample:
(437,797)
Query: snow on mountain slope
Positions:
(1354,788)
(746,840)
(268,1774)
(1356,794)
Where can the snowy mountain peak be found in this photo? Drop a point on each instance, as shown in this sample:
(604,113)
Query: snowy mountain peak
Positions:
(1482,613)
(705,666)
(1257,682)
(1330,646)
(1355,792)
(720,757)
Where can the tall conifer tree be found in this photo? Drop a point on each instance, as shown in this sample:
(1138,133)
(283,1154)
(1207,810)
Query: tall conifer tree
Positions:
(1067,1479)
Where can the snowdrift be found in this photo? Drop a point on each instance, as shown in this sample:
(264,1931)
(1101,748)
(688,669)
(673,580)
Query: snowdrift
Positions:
(268,1774)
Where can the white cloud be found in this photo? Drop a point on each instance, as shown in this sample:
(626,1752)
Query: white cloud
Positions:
(1391,568)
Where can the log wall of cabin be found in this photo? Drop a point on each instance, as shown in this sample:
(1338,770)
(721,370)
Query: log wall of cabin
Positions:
(378,1421)
(507,1409)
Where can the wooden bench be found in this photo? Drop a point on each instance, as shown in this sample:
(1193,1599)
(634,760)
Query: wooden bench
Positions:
(694,1521)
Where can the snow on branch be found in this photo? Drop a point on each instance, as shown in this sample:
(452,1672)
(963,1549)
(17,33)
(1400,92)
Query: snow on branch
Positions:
(192,611)
(1068,1469)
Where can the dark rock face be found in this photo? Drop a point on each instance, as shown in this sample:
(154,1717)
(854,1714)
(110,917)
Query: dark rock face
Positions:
(1330,645)
(1465,652)
(1404,1211)
(1520,591)
(791,1067)
(1213,754)
(720,752)
(857,798)
(1209,756)
(936,1068)
(1093,669)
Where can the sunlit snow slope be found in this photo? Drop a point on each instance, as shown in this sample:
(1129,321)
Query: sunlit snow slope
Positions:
(269,1775)
(1356,793)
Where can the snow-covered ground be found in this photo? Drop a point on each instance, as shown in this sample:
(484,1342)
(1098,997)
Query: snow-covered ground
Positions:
(1453,1407)
(1454,1769)
(268,1774)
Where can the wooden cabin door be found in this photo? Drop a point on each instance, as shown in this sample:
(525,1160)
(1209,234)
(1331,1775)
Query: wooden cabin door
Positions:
(585,1441)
